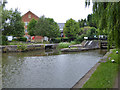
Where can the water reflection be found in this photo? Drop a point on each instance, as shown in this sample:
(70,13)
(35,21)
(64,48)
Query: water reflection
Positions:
(46,69)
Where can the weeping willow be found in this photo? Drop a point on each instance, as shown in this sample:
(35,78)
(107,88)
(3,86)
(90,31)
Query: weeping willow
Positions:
(107,18)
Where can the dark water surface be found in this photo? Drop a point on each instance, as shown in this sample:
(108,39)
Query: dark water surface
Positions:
(47,69)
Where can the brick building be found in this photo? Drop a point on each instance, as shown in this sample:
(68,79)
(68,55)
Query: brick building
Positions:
(26,18)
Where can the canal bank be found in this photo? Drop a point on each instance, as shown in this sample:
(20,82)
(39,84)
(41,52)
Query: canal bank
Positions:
(77,49)
(23,48)
(86,77)
(96,74)
(84,46)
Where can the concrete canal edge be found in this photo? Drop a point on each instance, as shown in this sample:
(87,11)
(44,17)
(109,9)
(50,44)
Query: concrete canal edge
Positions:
(23,48)
(77,49)
(87,76)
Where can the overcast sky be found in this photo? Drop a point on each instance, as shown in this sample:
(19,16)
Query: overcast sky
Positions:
(59,10)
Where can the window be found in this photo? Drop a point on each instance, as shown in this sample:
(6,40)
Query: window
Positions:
(29,16)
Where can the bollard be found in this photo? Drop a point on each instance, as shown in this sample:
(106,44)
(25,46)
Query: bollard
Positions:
(116,52)
(113,61)
(69,46)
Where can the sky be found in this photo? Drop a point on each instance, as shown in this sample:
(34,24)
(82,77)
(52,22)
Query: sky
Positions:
(59,10)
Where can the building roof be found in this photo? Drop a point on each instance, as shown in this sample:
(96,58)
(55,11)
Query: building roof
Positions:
(31,13)
(27,17)
(61,25)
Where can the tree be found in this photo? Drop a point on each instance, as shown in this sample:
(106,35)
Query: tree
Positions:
(91,21)
(82,23)
(2,3)
(47,27)
(107,15)
(42,27)
(2,7)
(12,23)
(53,28)
(71,29)
(91,32)
(31,27)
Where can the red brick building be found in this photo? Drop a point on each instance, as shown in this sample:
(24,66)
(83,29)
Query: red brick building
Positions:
(26,18)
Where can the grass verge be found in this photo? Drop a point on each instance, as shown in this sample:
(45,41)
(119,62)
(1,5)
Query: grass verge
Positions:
(64,45)
(67,44)
(105,74)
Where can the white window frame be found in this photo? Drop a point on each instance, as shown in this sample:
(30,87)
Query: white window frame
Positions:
(29,16)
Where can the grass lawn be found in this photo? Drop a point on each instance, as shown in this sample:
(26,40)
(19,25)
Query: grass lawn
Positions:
(105,74)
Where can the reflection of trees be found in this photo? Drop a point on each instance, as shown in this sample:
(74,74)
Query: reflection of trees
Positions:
(11,62)
(102,52)
(11,65)
(14,64)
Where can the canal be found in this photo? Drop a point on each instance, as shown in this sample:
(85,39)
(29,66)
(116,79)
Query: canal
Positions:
(47,69)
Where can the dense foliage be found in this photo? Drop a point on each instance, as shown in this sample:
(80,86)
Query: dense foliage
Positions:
(91,32)
(4,40)
(59,39)
(71,29)
(82,23)
(91,21)
(53,28)
(12,23)
(107,18)
(31,27)
(80,38)
(47,27)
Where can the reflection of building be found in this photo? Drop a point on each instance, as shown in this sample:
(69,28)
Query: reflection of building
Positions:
(26,18)
(61,26)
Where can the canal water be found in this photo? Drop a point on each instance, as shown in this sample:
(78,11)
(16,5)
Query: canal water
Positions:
(47,69)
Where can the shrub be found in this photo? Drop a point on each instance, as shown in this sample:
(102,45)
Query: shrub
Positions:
(91,32)
(59,39)
(73,42)
(15,39)
(46,42)
(21,47)
(65,39)
(56,40)
(4,40)
(24,39)
(79,39)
